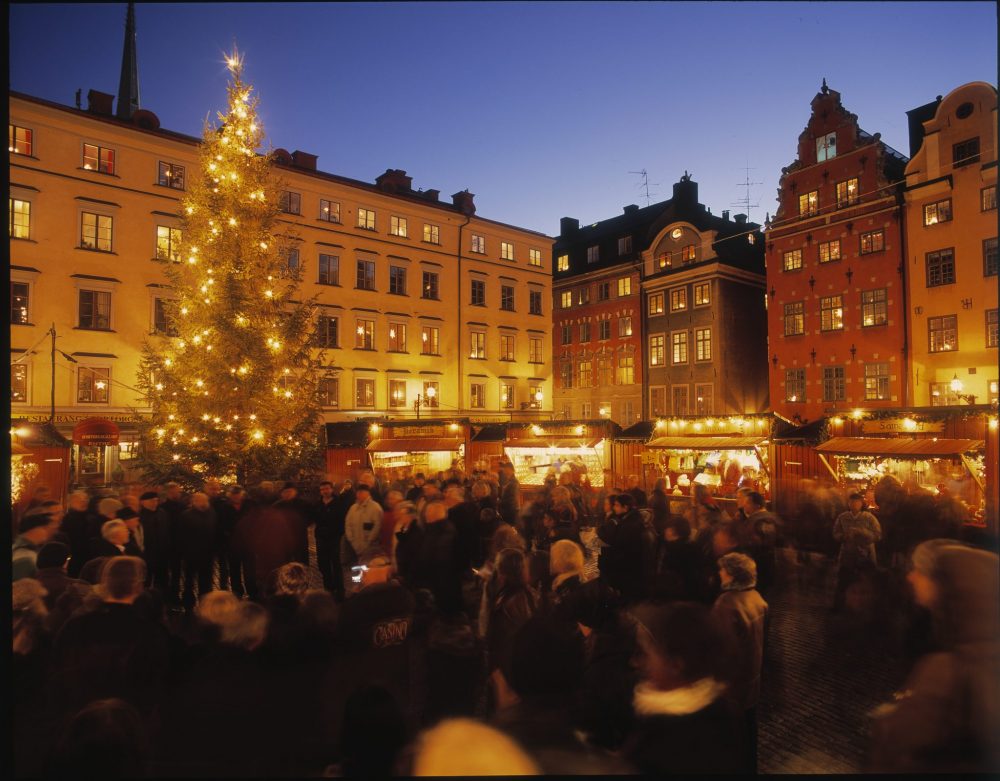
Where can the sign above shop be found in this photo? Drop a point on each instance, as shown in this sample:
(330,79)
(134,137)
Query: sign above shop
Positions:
(95,432)
(902,426)
(121,417)
(419,431)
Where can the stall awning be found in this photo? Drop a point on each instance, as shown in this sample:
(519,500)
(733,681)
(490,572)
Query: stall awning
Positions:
(900,446)
(415,444)
(555,441)
(707,443)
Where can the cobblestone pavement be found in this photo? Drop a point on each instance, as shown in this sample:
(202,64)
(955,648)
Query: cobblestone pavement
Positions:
(816,692)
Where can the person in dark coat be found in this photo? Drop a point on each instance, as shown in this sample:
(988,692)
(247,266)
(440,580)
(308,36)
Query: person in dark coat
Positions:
(264,541)
(113,650)
(197,537)
(156,535)
(417,489)
(52,565)
(298,516)
(659,503)
(329,525)
(510,494)
(488,521)
(677,562)
(174,504)
(115,540)
(74,525)
(638,495)
(684,722)
(228,516)
(464,516)
(621,560)
(514,604)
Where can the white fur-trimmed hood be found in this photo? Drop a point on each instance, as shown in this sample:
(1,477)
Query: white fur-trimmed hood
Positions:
(649,701)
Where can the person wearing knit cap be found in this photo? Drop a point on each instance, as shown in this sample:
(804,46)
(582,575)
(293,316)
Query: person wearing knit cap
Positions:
(948,717)
(34,530)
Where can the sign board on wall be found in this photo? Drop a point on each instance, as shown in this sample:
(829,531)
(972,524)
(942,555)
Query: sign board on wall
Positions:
(902,426)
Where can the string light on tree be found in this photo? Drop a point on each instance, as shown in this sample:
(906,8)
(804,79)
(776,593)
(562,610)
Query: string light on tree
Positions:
(233,242)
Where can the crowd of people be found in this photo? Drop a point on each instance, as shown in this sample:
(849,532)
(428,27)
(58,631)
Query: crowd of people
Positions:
(435,623)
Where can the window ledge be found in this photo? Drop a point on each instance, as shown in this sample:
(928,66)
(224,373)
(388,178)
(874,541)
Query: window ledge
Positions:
(329,222)
(363,228)
(366,349)
(169,187)
(23,238)
(369,289)
(329,284)
(432,243)
(398,352)
(96,171)
(429,298)
(101,330)
(404,295)
(22,155)
(432,355)
(94,249)
(32,325)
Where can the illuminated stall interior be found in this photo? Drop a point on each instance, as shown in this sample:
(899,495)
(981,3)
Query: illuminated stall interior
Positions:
(541,451)
(411,454)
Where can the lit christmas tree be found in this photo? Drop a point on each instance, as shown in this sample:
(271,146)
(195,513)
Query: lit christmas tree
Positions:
(233,388)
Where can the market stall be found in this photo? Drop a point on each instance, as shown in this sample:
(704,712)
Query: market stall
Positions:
(937,465)
(537,449)
(402,450)
(346,452)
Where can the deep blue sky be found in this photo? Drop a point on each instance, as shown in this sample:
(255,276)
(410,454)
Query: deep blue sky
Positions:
(541,109)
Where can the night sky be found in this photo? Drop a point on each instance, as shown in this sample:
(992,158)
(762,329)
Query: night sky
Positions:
(541,109)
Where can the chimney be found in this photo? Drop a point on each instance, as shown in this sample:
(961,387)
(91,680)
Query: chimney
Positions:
(394,180)
(568,225)
(630,209)
(741,219)
(725,214)
(304,160)
(99,102)
(128,83)
(686,191)
(463,202)
(432,195)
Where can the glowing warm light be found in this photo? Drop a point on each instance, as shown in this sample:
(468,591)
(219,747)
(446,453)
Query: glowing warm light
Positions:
(857,414)
(184,310)
(22,431)
(993,424)
(374,428)
(170,417)
(100,384)
(453,427)
(205,416)
(956,385)
(837,420)
(579,430)
(176,457)
(659,423)
(539,396)
(537,430)
(160,432)
(253,417)
(909,424)
(258,434)
(269,294)
(159,386)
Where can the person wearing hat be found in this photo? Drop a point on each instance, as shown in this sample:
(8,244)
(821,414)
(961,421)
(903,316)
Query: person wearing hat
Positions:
(135,531)
(155,525)
(35,529)
(857,531)
(297,518)
(362,527)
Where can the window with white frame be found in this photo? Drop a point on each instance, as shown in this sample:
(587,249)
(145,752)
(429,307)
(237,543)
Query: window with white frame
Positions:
(398,226)
(874,307)
(328,389)
(507,298)
(872,241)
(98,158)
(397,393)
(990,257)
(506,250)
(876,381)
(704,399)
(624,287)
(506,396)
(626,370)
(826,147)
(991,328)
(19,303)
(429,285)
(848,193)
(364,393)
(93,385)
(795,319)
(988,198)
(432,399)
(477,395)
(829,251)
(679,347)
(943,333)
(162,323)
(432,233)
(831,313)
(939,211)
(562,263)
(20,219)
(657,346)
(477,345)
(290,202)
(397,337)
(19,140)
(506,347)
(366,219)
(329,269)
(792,260)
(534,350)
(703,294)
(585,373)
(365,334)
(96,231)
(795,385)
(834,383)
(168,243)
(170,175)
(678,299)
(534,257)
(430,340)
(703,344)
(656,304)
(329,211)
(941,267)
(809,203)
(477,244)
(566,299)
(18,383)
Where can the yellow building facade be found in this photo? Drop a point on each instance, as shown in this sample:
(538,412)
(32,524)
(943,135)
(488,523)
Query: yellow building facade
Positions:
(426,308)
(951,251)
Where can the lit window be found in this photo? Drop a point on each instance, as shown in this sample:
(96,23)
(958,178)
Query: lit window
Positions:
(937,212)
(624,287)
(624,327)
(429,286)
(943,333)
(20,219)
(365,278)
(585,374)
(656,304)
(991,328)
(792,261)
(826,147)
(432,233)
(95,310)
(506,396)
(534,257)
(795,385)
(161,322)
(93,385)
(678,299)
(702,294)
(534,350)
(432,394)
(365,335)
(566,299)
(329,269)
(626,370)
(703,399)
(506,347)
(478,244)
(364,393)
(398,226)
(829,251)
(477,395)
(477,345)
(397,337)
(329,211)
(847,193)
(397,393)
(831,311)
(430,337)
(656,350)
(329,392)
(506,250)
(170,175)
(703,344)
(366,219)
(605,372)
(679,347)
(809,203)
(562,263)
(19,303)
(98,158)
(876,381)
(988,198)
(874,307)
(19,140)
(688,253)
(942,395)
(168,243)
(96,232)
(582,296)
(18,383)
(795,320)
(873,241)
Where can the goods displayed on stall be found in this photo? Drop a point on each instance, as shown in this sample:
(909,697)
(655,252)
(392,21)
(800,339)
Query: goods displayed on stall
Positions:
(429,448)
(540,450)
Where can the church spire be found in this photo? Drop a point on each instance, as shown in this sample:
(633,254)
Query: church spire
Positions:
(128,84)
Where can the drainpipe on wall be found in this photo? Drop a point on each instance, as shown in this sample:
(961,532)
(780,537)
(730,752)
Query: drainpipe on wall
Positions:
(461,385)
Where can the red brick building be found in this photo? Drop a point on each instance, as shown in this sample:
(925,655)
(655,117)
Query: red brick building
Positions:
(835,293)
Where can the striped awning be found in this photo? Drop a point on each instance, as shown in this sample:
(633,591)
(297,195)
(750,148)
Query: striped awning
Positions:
(707,443)
(898,446)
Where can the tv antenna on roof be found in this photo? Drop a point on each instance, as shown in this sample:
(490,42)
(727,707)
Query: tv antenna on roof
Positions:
(645,182)
(744,202)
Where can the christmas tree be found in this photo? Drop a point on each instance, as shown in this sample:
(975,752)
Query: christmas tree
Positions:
(233,388)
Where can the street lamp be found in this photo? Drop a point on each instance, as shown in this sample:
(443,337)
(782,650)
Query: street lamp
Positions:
(957,387)
(424,400)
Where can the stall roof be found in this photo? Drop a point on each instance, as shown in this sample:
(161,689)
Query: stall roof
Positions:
(491,432)
(347,434)
(414,444)
(898,446)
(707,443)
(642,431)
(555,441)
